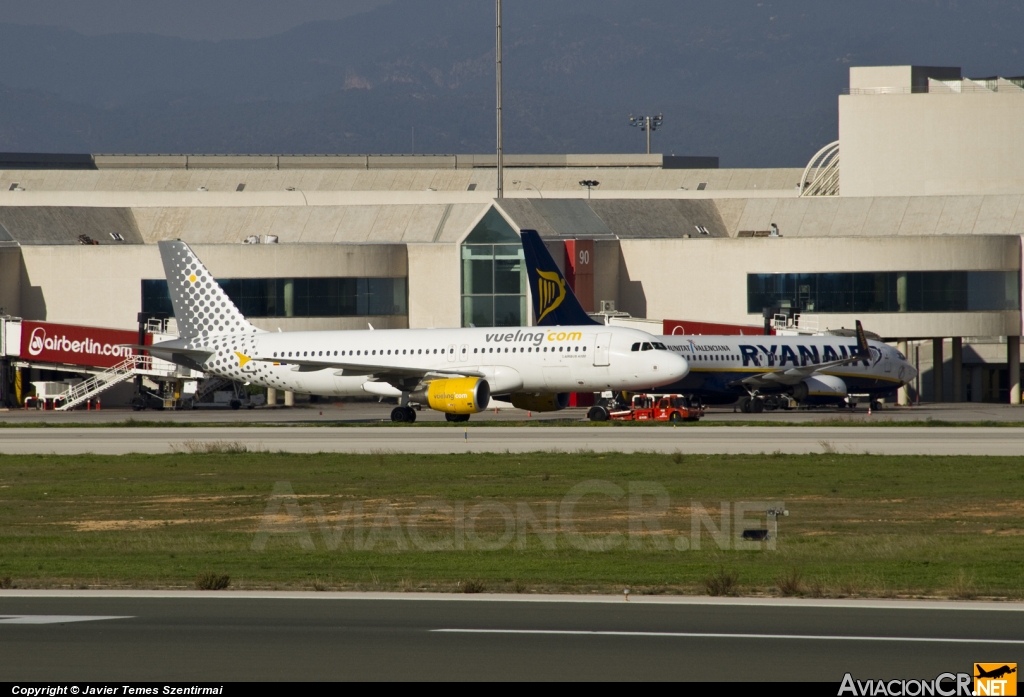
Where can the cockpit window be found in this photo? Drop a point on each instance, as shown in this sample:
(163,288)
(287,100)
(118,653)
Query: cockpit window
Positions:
(902,357)
(635,347)
(645,346)
(660,346)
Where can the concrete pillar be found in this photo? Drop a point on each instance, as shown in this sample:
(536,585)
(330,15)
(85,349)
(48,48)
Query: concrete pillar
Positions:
(977,383)
(1013,358)
(958,365)
(937,367)
(903,395)
(271,396)
(289,398)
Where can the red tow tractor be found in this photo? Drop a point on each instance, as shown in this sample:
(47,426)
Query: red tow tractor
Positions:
(643,407)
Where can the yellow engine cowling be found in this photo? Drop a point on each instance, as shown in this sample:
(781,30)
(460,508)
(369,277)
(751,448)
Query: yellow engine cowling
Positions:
(540,401)
(455,395)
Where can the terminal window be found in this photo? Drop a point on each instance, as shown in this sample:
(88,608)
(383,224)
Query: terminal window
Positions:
(298,297)
(885,291)
(493,275)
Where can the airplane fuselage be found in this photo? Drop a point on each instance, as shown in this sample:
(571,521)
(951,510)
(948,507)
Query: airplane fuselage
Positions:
(719,363)
(513,359)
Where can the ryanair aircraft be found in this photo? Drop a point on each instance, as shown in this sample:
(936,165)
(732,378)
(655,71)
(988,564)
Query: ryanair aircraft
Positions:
(455,371)
(810,369)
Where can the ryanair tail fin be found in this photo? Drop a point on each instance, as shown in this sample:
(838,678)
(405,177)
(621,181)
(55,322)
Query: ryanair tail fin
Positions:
(863,348)
(554,303)
(201,307)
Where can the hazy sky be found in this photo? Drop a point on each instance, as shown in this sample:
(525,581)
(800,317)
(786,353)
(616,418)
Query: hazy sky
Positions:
(190,19)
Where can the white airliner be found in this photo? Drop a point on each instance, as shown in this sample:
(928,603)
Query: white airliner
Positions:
(454,371)
(758,369)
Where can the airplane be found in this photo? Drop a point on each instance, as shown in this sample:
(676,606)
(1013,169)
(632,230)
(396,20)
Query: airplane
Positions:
(995,673)
(758,369)
(454,371)
(813,370)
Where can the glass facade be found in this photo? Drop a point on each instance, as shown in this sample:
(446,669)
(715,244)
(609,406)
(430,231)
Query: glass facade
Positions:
(885,291)
(493,275)
(298,297)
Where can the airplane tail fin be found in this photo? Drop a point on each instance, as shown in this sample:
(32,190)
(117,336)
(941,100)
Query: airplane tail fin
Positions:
(554,303)
(863,348)
(201,307)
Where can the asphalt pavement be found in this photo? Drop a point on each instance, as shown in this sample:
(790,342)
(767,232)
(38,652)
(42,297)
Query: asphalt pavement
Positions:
(325,636)
(458,439)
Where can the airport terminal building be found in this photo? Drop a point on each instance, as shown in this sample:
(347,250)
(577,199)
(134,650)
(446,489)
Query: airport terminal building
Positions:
(912,222)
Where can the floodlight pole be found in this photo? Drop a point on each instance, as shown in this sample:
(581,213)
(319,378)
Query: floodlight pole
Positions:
(497,58)
(648,119)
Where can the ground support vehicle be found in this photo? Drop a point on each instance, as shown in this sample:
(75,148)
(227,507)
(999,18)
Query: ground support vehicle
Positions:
(676,408)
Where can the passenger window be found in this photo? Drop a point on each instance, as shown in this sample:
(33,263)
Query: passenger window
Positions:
(474,350)
(435,351)
(645,346)
(635,347)
(559,349)
(463,349)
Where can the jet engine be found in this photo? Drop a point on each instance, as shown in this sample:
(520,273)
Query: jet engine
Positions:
(820,389)
(455,395)
(540,401)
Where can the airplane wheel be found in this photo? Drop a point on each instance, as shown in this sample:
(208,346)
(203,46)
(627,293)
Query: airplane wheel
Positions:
(756,406)
(138,404)
(597,414)
(399,415)
(235,405)
(456,418)
(410,414)
(876,406)
(745,405)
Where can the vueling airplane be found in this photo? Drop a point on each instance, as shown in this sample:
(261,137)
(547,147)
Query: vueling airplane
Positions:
(455,371)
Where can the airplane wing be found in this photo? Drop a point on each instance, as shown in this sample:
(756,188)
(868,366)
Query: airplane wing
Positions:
(797,374)
(399,376)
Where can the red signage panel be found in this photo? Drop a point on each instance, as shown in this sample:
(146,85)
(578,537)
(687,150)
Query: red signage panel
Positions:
(678,326)
(46,342)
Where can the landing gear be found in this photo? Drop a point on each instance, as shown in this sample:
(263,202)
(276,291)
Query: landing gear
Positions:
(752,405)
(235,404)
(597,413)
(402,415)
(456,418)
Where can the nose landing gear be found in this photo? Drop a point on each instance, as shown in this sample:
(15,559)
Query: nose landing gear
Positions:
(405,415)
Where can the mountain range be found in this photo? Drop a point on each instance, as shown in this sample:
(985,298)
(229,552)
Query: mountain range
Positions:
(755,83)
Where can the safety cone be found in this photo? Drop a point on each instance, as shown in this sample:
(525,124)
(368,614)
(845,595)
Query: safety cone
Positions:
(99,404)
(869,408)
(529,414)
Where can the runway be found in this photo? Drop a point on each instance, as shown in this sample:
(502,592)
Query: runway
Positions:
(309,636)
(457,439)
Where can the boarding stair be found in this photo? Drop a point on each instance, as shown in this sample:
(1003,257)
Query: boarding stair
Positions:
(87,389)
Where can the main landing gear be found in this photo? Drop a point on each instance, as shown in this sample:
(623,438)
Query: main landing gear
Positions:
(456,418)
(403,415)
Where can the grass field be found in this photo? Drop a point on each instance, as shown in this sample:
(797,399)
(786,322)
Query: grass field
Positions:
(581,522)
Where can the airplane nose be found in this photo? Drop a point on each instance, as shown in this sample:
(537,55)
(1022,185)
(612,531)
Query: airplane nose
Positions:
(675,366)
